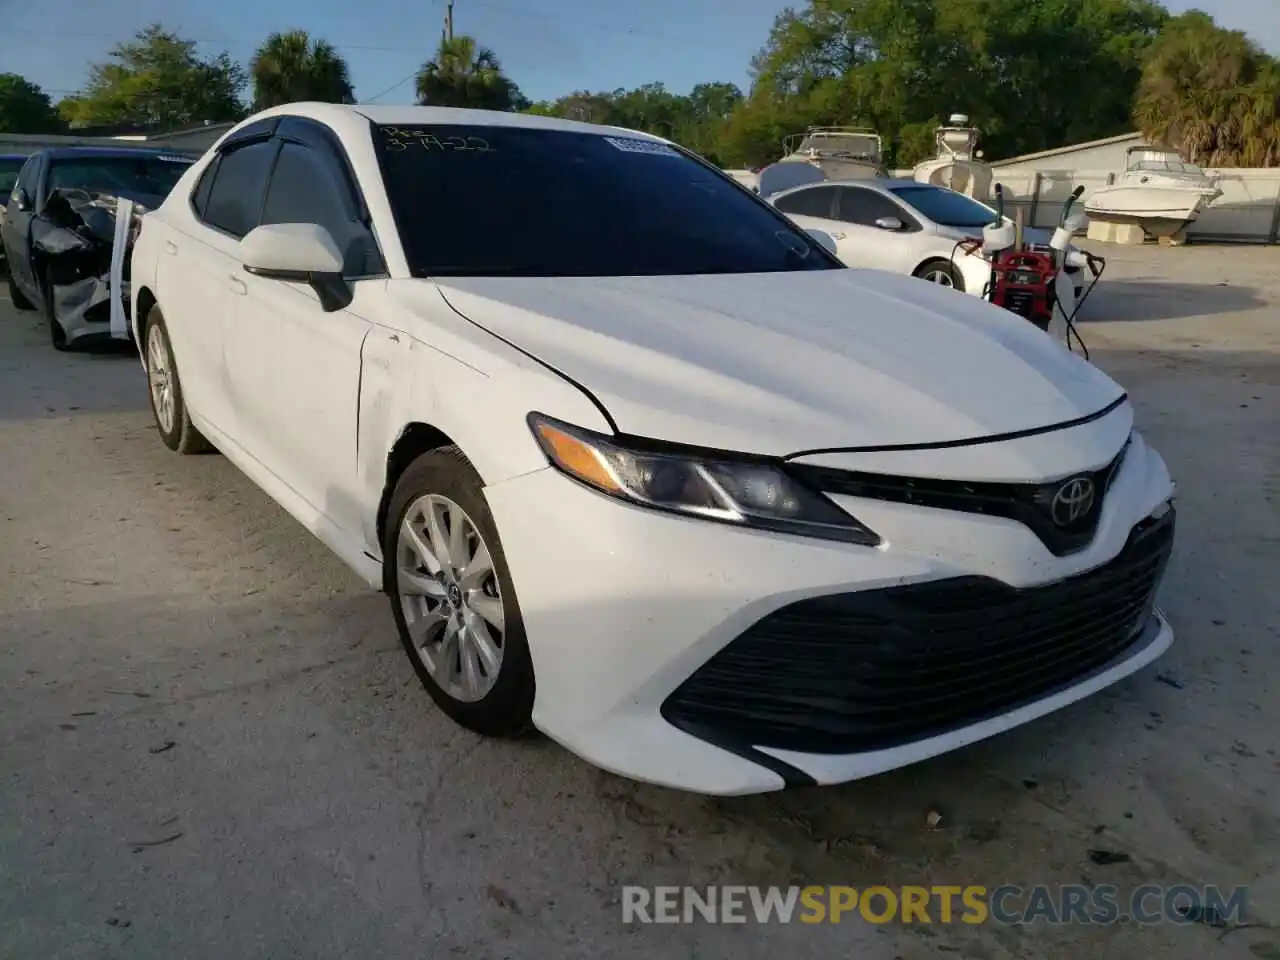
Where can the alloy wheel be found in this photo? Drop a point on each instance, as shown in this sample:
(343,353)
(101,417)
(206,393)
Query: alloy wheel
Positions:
(160,378)
(449,594)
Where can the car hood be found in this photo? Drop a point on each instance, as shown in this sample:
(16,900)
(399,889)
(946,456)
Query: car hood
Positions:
(785,362)
(1036,235)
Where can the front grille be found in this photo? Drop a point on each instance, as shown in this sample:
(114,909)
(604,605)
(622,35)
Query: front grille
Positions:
(1027,503)
(856,672)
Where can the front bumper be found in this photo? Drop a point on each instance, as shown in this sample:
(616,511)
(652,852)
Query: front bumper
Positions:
(663,650)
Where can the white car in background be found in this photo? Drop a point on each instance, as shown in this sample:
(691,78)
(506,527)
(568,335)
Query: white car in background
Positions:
(636,460)
(907,227)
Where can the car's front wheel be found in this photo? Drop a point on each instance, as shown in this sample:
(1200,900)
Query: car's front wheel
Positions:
(20,302)
(168,406)
(453,599)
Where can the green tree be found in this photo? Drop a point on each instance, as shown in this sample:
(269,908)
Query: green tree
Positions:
(158,80)
(463,74)
(25,108)
(901,66)
(1212,94)
(291,67)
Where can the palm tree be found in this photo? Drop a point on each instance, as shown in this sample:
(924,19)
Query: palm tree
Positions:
(289,67)
(1210,93)
(464,74)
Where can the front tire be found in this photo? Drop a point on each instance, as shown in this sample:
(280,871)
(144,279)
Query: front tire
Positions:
(941,272)
(57,335)
(453,599)
(19,301)
(173,420)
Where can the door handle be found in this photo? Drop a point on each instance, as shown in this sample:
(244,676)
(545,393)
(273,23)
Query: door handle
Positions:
(837,235)
(170,247)
(238,286)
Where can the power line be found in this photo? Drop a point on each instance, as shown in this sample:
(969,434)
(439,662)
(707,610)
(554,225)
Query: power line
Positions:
(395,86)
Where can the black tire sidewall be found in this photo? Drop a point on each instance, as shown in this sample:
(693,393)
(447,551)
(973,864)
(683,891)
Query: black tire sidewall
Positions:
(506,709)
(57,335)
(16,296)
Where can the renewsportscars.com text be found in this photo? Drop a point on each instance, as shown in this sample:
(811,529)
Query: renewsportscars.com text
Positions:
(1009,904)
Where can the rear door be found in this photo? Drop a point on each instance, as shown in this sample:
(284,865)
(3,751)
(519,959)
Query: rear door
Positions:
(813,208)
(201,280)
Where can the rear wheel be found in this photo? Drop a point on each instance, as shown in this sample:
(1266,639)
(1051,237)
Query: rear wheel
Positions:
(173,420)
(19,301)
(453,599)
(941,272)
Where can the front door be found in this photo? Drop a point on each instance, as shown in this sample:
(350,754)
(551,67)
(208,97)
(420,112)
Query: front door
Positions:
(873,245)
(295,367)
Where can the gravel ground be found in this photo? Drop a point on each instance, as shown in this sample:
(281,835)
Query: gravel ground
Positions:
(211,746)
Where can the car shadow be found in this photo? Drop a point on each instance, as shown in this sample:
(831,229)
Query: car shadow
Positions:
(1144,298)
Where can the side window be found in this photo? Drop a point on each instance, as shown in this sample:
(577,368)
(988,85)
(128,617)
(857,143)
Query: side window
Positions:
(235,199)
(306,188)
(865,207)
(200,195)
(813,202)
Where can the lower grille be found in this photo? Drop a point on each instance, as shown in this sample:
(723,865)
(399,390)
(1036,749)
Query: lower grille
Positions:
(856,672)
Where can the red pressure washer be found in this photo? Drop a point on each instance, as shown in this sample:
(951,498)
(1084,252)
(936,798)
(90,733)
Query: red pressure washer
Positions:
(1025,281)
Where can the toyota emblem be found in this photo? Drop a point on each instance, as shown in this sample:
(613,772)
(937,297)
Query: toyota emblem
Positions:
(1072,501)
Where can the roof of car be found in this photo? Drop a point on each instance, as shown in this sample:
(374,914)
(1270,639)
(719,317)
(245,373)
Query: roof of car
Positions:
(67,153)
(874,183)
(455,116)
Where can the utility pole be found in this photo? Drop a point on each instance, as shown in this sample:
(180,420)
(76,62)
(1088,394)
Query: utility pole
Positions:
(448,21)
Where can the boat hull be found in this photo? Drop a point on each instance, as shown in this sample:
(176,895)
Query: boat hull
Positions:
(1160,211)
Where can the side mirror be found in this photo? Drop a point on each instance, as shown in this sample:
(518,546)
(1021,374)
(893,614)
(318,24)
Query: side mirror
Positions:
(889,223)
(298,253)
(825,240)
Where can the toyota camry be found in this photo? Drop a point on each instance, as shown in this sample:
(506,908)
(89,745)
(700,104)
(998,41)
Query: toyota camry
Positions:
(636,460)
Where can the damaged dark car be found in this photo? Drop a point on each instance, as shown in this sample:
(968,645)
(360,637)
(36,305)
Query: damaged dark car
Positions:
(60,231)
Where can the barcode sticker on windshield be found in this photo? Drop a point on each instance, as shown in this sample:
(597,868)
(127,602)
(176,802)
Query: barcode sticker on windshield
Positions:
(627,145)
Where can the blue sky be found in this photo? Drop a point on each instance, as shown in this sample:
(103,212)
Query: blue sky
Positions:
(550,47)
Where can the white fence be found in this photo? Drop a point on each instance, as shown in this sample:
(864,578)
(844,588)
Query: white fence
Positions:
(1247,212)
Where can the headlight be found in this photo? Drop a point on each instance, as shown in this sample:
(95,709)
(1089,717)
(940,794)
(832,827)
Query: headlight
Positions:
(752,494)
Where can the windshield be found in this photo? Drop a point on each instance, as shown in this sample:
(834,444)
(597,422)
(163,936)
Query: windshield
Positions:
(155,176)
(9,175)
(1166,166)
(520,202)
(945,207)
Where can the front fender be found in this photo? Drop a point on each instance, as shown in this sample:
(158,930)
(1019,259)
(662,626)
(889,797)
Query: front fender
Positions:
(466,384)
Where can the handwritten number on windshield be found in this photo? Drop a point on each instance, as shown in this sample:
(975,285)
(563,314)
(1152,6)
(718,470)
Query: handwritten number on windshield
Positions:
(398,139)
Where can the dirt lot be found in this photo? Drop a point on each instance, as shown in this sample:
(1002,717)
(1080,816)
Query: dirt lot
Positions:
(212,745)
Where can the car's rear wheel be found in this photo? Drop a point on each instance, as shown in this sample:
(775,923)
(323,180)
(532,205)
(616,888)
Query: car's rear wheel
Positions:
(453,599)
(20,302)
(941,272)
(173,420)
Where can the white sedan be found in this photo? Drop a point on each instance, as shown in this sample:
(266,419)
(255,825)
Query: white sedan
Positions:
(637,462)
(907,227)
